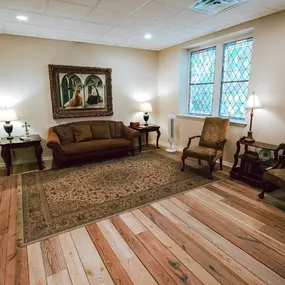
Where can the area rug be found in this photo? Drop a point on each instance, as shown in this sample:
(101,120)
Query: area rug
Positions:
(55,201)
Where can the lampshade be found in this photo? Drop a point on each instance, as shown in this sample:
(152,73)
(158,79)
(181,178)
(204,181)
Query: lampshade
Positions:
(253,102)
(146,108)
(7,115)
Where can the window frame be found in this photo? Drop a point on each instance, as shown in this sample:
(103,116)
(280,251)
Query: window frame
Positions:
(219,44)
(189,82)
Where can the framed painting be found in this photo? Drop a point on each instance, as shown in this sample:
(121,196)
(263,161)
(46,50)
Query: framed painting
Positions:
(80,91)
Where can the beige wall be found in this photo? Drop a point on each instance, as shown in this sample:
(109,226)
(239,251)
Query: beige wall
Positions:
(267,80)
(24,79)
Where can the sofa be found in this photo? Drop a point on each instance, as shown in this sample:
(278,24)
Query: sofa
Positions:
(78,142)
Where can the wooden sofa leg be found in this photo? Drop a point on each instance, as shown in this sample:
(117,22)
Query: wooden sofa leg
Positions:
(221,163)
(183,163)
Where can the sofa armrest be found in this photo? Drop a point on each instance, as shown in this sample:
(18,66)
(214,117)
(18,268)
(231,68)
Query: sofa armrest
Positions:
(53,139)
(129,133)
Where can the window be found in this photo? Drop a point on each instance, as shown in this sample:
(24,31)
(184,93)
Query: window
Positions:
(225,94)
(235,78)
(202,73)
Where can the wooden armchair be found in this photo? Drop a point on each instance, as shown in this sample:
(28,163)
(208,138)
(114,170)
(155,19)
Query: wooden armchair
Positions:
(211,144)
(274,176)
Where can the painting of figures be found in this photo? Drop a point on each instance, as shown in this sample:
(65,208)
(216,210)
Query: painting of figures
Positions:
(80,91)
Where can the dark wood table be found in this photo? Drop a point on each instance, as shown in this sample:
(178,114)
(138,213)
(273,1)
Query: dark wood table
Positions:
(251,168)
(146,130)
(8,145)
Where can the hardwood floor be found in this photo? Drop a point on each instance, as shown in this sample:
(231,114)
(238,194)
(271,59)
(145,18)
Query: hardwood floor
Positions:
(217,234)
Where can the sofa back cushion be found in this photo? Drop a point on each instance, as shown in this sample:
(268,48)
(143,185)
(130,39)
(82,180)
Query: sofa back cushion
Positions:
(82,133)
(65,133)
(116,129)
(101,131)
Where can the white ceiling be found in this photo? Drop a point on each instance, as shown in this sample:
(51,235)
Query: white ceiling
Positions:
(123,22)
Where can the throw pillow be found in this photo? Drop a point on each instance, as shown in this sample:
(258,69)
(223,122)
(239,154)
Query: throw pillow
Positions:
(100,132)
(82,133)
(116,129)
(65,134)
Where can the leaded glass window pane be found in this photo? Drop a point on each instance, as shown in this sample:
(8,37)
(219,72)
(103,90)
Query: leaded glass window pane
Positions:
(202,73)
(235,78)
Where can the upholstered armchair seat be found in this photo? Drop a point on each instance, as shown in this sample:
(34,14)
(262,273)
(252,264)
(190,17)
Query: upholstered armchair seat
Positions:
(276,177)
(202,152)
(211,143)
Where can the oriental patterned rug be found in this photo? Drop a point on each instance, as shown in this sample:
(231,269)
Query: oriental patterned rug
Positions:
(55,201)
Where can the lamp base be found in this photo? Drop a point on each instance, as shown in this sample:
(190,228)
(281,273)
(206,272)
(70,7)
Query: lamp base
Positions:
(8,128)
(249,138)
(146,117)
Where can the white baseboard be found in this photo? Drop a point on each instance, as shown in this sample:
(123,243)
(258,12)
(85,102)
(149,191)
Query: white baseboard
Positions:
(2,164)
(164,144)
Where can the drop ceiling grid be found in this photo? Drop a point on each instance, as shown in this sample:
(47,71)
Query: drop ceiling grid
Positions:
(123,22)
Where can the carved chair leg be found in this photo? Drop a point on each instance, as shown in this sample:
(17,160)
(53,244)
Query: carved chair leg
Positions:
(183,163)
(221,163)
(199,161)
(212,166)
(261,195)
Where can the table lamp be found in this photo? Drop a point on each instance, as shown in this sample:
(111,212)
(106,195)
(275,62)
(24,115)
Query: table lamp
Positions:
(146,108)
(8,115)
(252,103)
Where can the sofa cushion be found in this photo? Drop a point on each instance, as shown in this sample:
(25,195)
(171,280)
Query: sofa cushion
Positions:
(116,129)
(100,131)
(82,133)
(95,145)
(65,134)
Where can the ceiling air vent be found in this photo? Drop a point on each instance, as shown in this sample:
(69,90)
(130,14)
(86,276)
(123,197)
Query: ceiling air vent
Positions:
(214,7)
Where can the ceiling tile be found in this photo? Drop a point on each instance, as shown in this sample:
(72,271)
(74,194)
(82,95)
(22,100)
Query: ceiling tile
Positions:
(117,35)
(157,10)
(19,29)
(90,3)
(38,6)
(271,4)
(106,17)
(10,16)
(125,6)
(137,23)
(68,10)
(80,26)
(187,17)
(182,3)
(52,33)
(165,27)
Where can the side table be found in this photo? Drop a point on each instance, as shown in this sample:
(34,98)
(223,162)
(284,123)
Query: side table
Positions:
(147,129)
(8,145)
(251,168)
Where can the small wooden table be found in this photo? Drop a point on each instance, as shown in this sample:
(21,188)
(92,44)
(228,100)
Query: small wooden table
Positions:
(147,129)
(7,145)
(251,168)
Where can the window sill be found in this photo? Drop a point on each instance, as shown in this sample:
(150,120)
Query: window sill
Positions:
(202,118)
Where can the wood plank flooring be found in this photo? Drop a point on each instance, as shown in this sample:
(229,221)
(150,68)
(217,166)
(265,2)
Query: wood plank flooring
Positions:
(217,234)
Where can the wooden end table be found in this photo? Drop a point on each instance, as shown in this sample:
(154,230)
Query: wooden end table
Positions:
(251,168)
(147,129)
(8,145)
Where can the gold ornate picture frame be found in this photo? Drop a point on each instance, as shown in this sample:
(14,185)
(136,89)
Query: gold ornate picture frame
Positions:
(78,91)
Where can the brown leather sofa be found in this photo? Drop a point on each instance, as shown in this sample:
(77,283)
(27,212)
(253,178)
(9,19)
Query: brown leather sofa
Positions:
(81,141)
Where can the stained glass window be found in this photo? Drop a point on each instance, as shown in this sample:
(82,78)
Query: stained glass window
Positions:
(202,73)
(235,78)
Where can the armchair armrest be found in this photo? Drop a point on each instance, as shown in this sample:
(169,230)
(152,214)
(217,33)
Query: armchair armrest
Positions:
(220,146)
(129,133)
(53,139)
(280,162)
(189,142)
